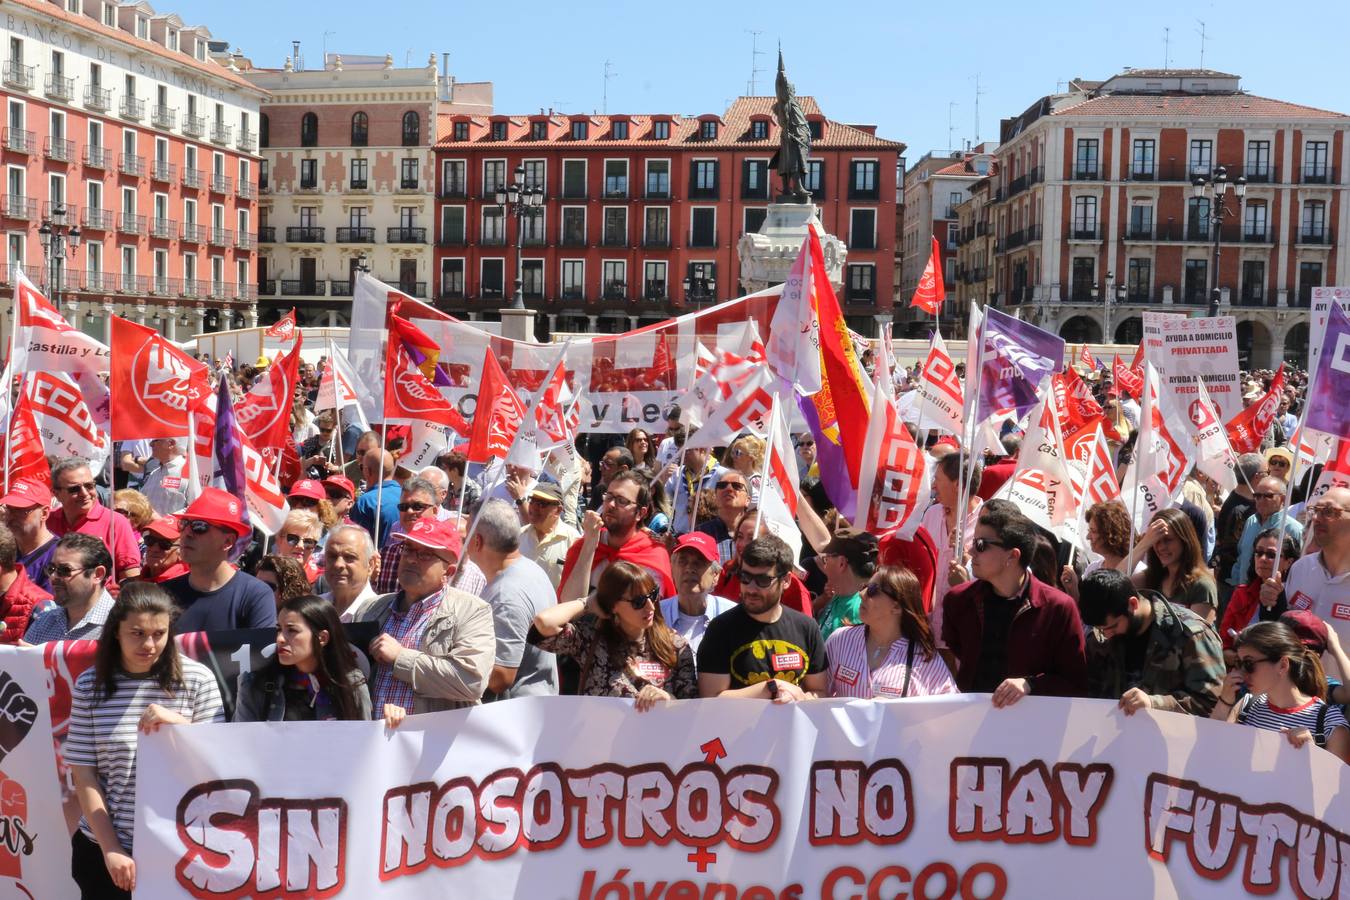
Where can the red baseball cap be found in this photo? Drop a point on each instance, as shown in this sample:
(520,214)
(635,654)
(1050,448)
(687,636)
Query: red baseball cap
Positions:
(1311,630)
(342,483)
(26,494)
(947,441)
(166,528)
(700,543)
(308,487)
(436,534)
(216,507)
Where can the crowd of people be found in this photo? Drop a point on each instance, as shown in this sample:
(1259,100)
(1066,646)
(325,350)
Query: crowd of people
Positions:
(650,576)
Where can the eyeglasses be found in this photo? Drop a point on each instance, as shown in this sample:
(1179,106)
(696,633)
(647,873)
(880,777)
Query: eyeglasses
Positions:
(158,544)
(335,496)
(88,486)
(620,502)
(122,512)
(64,572)
(1326,512)
(295,540)
(1278,464)
(416,553)
(1266,495)
(414,506)
(759,579)
(736,486)
(982,544)
(325,431)
(641,601)
(197,526)
(1264,554)
(1248,665)
(540,501)
(876,590)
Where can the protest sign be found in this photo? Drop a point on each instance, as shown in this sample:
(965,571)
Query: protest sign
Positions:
(1154,322)
(938,797)
(1322,298)
(1204,350)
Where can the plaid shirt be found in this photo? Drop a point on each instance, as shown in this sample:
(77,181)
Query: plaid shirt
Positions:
(406,628)
(386,580)
(54,625)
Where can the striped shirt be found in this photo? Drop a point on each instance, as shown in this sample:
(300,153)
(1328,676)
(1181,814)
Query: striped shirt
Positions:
(406,628)
(103,732)
(1259,712)
(846,650)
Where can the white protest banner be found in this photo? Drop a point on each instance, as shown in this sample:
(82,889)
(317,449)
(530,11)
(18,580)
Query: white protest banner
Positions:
(34,840)
(1154,322)
(938,797)
(1204,349)
(1322,298)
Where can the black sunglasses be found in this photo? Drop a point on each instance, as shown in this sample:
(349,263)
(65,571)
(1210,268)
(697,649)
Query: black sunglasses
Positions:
(197,526)
(653,596)
(414,506)
(982,544)
(876,590)
(157,544)
(762,579)
(735,485)
(294,540)
(1248,666)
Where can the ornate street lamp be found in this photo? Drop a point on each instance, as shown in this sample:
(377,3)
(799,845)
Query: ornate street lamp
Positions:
(1218,191)
(519,200)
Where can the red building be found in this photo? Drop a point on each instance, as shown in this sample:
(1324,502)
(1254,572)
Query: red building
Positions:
(641,214)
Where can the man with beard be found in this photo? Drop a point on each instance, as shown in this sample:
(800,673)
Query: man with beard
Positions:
(761,649)
(79,572)
(1146,651)
(623,508)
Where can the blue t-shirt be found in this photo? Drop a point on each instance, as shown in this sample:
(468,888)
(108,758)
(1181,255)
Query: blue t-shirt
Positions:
(243,602)
(363,510)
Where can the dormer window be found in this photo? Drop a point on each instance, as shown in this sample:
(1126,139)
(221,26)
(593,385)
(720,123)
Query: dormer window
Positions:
(538,131)
(707,130)
(661,130)
(461,131)
(580,130)
(171,39)
(759,130)
(142,27)
(817,129)
(110,15)
(620,131)
(499,131)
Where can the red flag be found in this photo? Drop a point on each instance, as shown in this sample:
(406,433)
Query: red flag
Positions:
(1079,412)
(24,459)
(1102,485)
(931,292)
(1085,358)
(264,415)
(1246,429)
(284,328)
(1127,379)
(408,395)
(498,415)
(154,384)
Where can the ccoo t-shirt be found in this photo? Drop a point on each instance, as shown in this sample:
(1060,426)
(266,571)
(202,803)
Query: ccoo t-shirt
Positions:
(751,651)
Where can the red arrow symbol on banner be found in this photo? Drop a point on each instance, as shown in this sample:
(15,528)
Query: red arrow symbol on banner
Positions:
(713,750)
(703,857)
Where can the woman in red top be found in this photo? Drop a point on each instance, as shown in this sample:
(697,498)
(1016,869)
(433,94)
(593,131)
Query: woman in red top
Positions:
(1247,606)
(795,594)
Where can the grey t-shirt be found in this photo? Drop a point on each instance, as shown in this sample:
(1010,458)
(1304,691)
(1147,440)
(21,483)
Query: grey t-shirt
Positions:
(516,596)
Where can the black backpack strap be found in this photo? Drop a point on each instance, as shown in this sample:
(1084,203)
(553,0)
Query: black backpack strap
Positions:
(1320,735)
(909,668)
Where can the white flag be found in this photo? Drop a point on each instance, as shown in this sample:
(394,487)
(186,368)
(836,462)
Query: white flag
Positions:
(339,388)
(45,341)
(1213,454)
(1161,456)
(747,409)
(793,349)
(778,484)
(940,394)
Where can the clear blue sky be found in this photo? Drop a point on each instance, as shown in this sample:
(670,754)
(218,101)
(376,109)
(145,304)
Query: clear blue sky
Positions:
(896,65)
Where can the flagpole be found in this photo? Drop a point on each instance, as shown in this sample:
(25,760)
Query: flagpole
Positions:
(959,520)
(764,468)
(1289,486)
(10,404)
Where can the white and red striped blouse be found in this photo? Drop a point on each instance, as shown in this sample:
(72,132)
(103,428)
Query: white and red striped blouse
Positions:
(849,677)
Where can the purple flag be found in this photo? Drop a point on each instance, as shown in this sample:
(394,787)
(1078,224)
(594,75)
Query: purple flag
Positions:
(227,468)
(1327,410)
(831,462)
(1017,356)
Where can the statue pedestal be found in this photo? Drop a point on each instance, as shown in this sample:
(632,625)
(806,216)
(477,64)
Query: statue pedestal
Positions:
(518,324)
(767,257)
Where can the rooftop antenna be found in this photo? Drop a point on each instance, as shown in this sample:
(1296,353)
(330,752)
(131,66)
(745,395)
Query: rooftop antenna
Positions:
(951,127)
(407,59)
(1203,38)
(325,47)
(295,56)
(1167,48)
(978,94)
(755,54)
(604,103)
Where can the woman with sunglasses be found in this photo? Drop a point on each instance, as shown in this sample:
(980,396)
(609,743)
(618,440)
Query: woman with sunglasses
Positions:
(1175,565)
(1285,688)
(620,641)
(299,538)
(138,682)
(1256,600)
(284,576)
(639,443)
(746,455)
(312,677)
(892,653)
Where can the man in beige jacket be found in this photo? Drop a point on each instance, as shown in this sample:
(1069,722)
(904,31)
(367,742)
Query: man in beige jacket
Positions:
(436,643)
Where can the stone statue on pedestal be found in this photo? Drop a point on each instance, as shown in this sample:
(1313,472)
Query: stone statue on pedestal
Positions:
(794,141)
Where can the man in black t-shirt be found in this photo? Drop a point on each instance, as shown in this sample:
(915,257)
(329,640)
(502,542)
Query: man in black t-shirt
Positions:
(761,648)
(213,595)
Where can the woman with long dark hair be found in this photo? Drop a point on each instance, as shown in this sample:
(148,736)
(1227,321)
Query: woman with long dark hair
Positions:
(639,443)
(620,640)
(1175,564)
(1286,687)
(1255,601)
(893,652)
(312,677)
(138,682)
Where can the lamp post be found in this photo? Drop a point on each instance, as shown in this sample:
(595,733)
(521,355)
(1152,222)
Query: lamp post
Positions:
(700,288)
(58,239)
(1106,310)
(1217,191)
(518,200)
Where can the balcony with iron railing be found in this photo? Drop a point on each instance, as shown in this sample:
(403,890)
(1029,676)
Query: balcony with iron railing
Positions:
(573,295)
(1139,232)
(1257,235)
(454,237)
(613,239)
(221,184)
(268,288)
(656,241)
(193,233)
(305,234)
(404,234)
(308,183)
(615,290)
(245,241)
(165,117)
(221,133)
(131,164)
(59,87)
(248,141)
(17,206)
(97,157)
(194,178)
(338,288)
(572,239)
(355,234)
(1086,173)
(133,284)
(656,193)
(1315,236)
(454,190)
(19,76)
(97,99)
(246,292)
(412,288)
(703,239)
(20,141)
(492,239)
(221,237)
(296,287)
(58,149)
(162,170)
(246,191)
(129,223)
(1085,231)
(68,212)
(194,126)
(267,234)
(1022,182)
(164,229)
(95,219)
(655,290)
(1322,174)
(409,184)
(132,108)
(533,239)
(164,286)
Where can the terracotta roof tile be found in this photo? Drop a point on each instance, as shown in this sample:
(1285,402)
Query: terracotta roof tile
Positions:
(732,133)
(1200,106)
